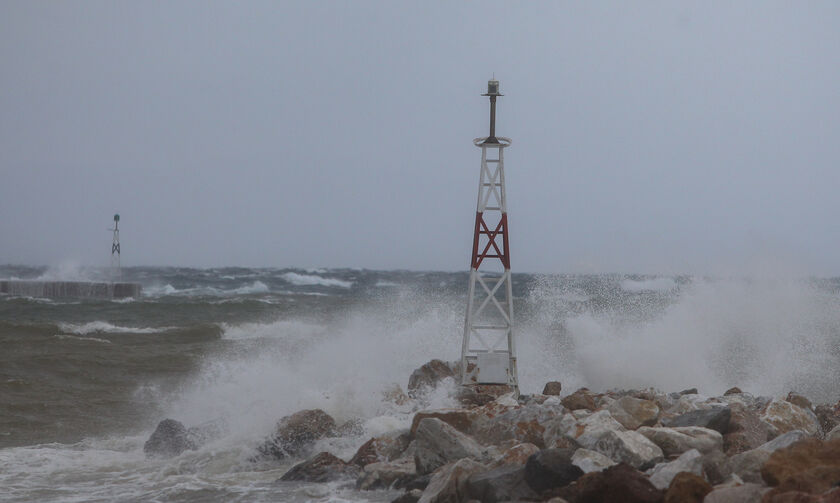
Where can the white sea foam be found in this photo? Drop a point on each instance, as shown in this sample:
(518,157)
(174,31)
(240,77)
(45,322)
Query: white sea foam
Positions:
(381,283)
(83,339)
(648,285)
(313,280)
(105,327)
(255,287)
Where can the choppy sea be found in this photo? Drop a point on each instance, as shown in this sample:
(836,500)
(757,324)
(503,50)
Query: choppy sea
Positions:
(84,382)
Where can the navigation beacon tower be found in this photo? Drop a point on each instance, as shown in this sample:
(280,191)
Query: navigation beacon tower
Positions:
(116,270)
(488,352)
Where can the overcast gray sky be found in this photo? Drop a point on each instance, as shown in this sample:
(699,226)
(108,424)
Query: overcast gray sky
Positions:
(648,136)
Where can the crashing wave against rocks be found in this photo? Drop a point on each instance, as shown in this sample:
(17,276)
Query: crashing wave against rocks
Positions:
(618,446)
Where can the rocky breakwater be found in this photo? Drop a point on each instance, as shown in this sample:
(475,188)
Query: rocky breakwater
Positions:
(618,446)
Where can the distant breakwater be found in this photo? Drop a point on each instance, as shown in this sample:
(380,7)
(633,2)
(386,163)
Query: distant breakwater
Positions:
(73,289)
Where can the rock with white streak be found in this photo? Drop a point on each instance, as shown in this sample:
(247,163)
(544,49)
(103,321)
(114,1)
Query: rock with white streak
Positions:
(629,447)
(591,461)
(585,432)
(662,474)
(382,475)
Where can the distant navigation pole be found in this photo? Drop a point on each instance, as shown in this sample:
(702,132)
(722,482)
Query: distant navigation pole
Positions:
(116,270)
(488,353)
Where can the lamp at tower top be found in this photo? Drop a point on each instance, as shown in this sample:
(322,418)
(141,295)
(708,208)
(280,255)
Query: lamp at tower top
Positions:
(117,217)
(492,92)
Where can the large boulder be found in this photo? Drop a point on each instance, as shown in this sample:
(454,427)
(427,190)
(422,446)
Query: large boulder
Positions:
(747,465)
(429,375)
(521,424)
(552,388)
(438,443)
(785,417)
(662,474)
(580,399)
(617,484)
(505,483)
(810,466)
(551,468)
(585,432)
(591,461)
(634,412)
(675,441)
(629,447)
(714,419)
(449,484)
(687,488)
(296,434)
(828,417)
(324,467)
(169,439)
(746,430)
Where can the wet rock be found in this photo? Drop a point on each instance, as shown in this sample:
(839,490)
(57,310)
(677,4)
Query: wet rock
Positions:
(714,419)
(469,396)
(799,400)
(785,417)
(633,412)
(733,391)
(591,461)
(617,484)
(746,430)
(662,474)
(295,434)
(501,484)
(378,449)
(551,468)
(429,375)
(689,391)
(438,443)
(687,488)
(449,484)
(810,466)
(387,474)
(675,441)
(629,447)
(552,388)
(460,419)
(324,467)
(516,455)
(207,432)
(351,428)
(169,439)
(580,399)
(747,493)
(834,433)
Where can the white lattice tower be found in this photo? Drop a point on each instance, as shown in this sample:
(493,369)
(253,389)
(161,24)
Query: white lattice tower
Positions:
(116,270)
(488,353)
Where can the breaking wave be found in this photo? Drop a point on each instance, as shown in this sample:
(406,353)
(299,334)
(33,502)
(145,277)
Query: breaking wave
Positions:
(313,280)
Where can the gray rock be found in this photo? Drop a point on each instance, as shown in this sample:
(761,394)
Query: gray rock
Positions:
(716,467)
(715,419)
(438,443)
(633,412)
(412,496)
(584,431)
(662,474)
(324,467)
(629,447)
(501,484)
(551,468)
(382,475)
(747,493)
(834,433)
(675,441)
(429,375)
(449,484)
(523,424)
(591,461)
(296,434)
(169,439)
(747,465)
